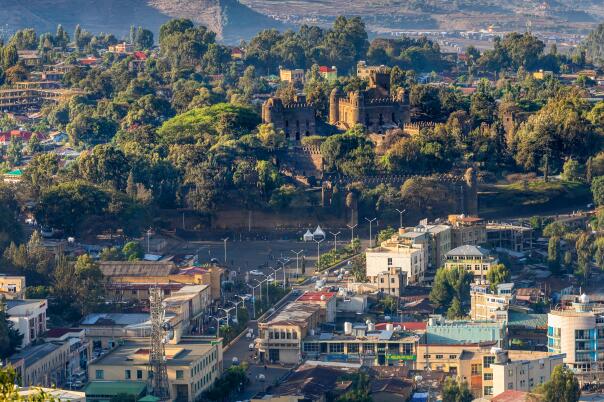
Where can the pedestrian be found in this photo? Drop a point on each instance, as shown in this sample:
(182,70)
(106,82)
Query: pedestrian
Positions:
(265,368)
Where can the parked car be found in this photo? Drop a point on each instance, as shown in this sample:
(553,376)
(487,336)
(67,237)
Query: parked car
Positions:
(255,272)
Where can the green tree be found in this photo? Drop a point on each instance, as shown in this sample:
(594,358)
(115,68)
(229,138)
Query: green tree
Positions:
(597,190)
(553,253)
(570,170)
(90,284)
(498,274)
(454,391)
(15,152)
(385,234)
(144,39)
(10,338)
(455,311)
(562,386)
(133,251)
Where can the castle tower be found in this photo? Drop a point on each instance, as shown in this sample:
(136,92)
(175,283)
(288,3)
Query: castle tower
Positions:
(334,106)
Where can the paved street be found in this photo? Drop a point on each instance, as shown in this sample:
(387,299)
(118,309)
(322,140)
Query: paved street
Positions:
(240,349)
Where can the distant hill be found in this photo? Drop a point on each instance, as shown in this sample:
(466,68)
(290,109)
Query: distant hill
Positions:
(231,20)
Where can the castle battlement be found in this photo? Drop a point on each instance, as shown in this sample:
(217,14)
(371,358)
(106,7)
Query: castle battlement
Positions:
(298,105)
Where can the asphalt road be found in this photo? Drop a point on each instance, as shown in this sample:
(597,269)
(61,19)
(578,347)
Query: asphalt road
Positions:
(240,350)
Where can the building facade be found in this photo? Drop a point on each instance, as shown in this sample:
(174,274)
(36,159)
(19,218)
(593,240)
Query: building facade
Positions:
(474,259)
(192,365)
(29,317)
(488,305)
(467,230)
(397,254)
(291,75)
(524,372)
(12,287)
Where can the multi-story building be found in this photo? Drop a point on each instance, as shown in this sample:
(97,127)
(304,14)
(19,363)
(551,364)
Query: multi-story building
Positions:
(467,230)
(523,370)
(131,280)
(488,305)
(391,282)
(439,244)
(189,304)
(29,317)
(401,254)
(474,259)
(510,237)
(578,333)
(326,300)
(80,347)
(12,287)
(291,75)
(121,48)
(193,365)
(42,365)
(362,343)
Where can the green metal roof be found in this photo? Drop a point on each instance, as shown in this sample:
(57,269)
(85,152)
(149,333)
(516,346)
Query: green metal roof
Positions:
(149,398)
(527,320)
(112,388)
(16,172)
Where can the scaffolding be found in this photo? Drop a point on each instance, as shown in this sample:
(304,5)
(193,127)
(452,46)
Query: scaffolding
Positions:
(157,353)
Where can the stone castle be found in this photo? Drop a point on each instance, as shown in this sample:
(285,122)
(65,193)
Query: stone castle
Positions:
(376,108)
(296,119)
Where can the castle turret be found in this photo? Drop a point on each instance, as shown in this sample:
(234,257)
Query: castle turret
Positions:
(334,106)
(357,99)
(271,109)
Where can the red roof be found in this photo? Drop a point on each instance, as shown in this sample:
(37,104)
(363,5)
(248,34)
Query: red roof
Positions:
(59,332)
(511,395)
(409,326)
(140,55)
(192,271)
(316,296)
(87,61)
(17,134)
(325,69)
(236,50)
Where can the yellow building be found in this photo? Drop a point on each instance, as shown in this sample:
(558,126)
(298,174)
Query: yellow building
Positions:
(42,365)
(487,305)
(12,287)
(523,370)
(280,339)
(293,75)
(131,280)
(192,365)
(474,259)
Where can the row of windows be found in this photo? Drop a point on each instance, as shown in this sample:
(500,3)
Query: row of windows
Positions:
(201,384)
(282,334)
(128,374)
(203,363)
(439,356)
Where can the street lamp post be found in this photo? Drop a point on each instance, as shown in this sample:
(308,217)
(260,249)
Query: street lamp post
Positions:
(254,299)
(283,263)
(401,216)
(318,251)
(275,272)
(225,249)
(228,313)
(237,309)
(370,232)
(218,319)
(351,227)
(335,241)
(297,253)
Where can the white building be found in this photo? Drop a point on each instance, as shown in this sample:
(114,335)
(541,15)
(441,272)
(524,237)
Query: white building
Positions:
(29,317)
(524,372)
(401,254)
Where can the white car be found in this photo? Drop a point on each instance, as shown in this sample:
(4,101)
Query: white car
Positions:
(255,272)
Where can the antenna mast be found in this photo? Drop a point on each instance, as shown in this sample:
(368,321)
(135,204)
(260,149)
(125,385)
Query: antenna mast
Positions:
(157,353)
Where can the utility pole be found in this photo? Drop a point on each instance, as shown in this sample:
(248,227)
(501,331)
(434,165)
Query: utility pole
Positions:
(318,251)
(370,232)
(351,227)
(283,263)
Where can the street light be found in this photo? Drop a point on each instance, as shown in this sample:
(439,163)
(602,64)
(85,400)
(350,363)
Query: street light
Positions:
(236,308)
(370,232)
(225,249)
(283,263)
(335,241)
(254,298)
(228,313)
(275,272)
(318,251)
(218,319)
(401,216)
(351,227)
(297,253)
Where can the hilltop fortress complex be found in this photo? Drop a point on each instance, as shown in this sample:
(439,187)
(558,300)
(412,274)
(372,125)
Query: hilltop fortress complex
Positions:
(376,108)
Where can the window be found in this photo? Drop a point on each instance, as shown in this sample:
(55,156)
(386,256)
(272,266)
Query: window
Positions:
(353,348)
(139,374)
(311,347)
(99,374)
(426,356)
(439,356)
(488,360)
(179,374)
(488,376)
(488,390)
(452,356)
(476,369)
(510,385)
(389,261)
(336,348)
(128,374)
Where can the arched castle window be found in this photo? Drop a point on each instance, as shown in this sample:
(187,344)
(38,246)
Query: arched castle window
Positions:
(393,118)
(286,123)
(381,119)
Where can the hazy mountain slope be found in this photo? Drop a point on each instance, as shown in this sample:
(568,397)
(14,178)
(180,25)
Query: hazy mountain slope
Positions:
(228,18)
